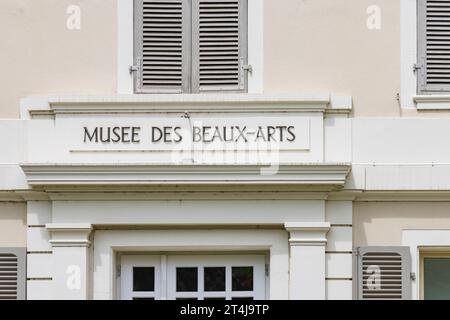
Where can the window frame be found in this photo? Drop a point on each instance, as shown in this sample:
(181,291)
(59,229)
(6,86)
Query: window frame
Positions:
(422,73)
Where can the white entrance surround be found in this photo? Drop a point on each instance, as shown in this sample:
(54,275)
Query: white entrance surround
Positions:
(92,202)
(307,243)
(207,225)
(418,240)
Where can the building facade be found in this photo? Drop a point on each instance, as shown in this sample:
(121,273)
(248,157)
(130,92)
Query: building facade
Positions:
(232,149)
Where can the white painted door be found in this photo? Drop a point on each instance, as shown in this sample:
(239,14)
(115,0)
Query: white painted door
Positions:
(193,277)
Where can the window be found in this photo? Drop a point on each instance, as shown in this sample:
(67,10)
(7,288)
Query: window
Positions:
(435,276)
(433,46)
(190,46)
(193,277)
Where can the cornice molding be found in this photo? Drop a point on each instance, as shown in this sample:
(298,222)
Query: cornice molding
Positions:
(329,176)
(180,103)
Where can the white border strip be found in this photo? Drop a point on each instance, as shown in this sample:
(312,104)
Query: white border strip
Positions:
(416,239)
(124,46)
(408,52)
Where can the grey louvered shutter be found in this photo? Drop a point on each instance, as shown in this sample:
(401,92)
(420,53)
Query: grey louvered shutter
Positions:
(219,45)
(384,273)
(434,46)
(161,53)
(12,273)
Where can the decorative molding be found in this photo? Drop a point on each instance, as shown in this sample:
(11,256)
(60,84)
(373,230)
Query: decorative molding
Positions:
(32,195)
(432,102)
(180,103)
(175,194)
(390,195)
(69,234)
(307,233)
(23,196)
(10,196)
(328,176)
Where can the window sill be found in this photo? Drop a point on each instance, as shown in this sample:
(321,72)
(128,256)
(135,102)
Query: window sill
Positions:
(432,102)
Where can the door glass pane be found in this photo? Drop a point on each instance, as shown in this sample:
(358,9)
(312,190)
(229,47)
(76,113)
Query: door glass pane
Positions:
(187,280)
(242,279)
(214,279)
(143,279)
(437,278)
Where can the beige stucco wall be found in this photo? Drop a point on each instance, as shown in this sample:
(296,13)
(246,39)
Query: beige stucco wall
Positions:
(325,46)
(310,46)
(381,223)
(39,55)
(13,226)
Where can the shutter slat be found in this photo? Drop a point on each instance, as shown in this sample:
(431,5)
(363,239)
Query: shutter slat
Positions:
(161,48)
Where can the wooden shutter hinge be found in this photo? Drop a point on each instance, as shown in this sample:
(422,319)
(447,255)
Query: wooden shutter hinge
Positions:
(267,269)
(412,276)
(248,67)
(133,69)
(416,67)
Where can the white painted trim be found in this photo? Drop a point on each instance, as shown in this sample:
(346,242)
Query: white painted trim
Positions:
(408,52)
(409,98)
(307,266)
(432,102)
(125,45)
(421,239)
(256,45)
